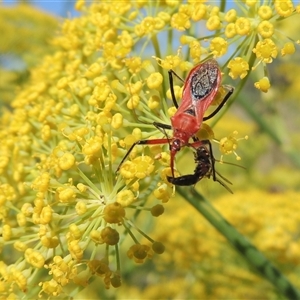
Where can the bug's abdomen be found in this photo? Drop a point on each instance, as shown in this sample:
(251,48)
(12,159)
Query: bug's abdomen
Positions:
(204,80)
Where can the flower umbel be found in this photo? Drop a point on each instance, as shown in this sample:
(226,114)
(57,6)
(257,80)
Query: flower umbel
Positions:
(65,212)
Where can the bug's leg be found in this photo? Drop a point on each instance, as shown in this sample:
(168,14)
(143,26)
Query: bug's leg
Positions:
(161,126)
(230,90)
(171,73)
(222,183)
(212,158)
(142,142)
(214,172)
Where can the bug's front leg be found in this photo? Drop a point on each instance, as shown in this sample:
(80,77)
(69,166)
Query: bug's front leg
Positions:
(142,142)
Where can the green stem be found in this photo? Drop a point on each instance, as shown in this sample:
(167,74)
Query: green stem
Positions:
(240,243)
(269,128)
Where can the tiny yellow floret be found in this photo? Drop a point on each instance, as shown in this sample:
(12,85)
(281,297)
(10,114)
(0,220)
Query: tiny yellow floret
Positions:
(238,68)
(180,21)
(34,258)
(20,246)
(110,236)
(284,7)
(6,232)
(154,81)
(230,16)
(153,102)
(265,29)
(46,215)
(213,23)
(66,161)
(263,84)
(139,253)
(81,207)
(288,48)
(199,11)
(218,46)
(230,30)
(266,50)
(242,26)
(162,193)
(265,12)
(66,194)
(113,213)
(117,121)
(125,197)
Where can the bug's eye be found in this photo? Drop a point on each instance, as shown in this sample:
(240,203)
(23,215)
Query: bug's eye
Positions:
(176,145)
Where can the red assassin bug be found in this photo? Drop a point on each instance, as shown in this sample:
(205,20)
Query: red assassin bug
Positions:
(205,162)
(200,89)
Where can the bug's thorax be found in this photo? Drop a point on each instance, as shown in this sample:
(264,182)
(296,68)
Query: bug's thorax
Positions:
(184,125)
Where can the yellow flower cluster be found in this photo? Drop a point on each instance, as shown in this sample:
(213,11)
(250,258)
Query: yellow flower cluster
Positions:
(196,249)
(64,209)
(261,27)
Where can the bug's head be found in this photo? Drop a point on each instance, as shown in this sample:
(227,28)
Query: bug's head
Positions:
(175,146)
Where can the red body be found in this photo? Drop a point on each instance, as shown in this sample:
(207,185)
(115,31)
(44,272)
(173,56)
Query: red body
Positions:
(200,88)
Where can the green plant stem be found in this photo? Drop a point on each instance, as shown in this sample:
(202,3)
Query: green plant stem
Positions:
(268,128)
(254,257)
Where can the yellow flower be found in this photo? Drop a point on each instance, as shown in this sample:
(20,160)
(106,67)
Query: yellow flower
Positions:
(125,197)
(139,253)
(154,81)
(263,84)
(238,68)
(195,50)
(266,50)
(230,15)
(265,29)
(228,145)
(114,213)
(230,30)
(213,23)
(180,21)
(284,7)
(199,11)
(242,26)
(66,161)
(110,236)
(265,12)
(218,46)
(288,48)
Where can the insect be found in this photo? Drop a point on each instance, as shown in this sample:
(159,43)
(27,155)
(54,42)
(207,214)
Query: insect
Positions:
(199,90)
(205,167)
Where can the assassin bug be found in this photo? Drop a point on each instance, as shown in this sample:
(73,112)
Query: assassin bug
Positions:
(199,90)
(205,162)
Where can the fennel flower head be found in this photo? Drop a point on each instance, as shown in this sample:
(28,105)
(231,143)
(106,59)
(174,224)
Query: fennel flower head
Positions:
(67,216)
